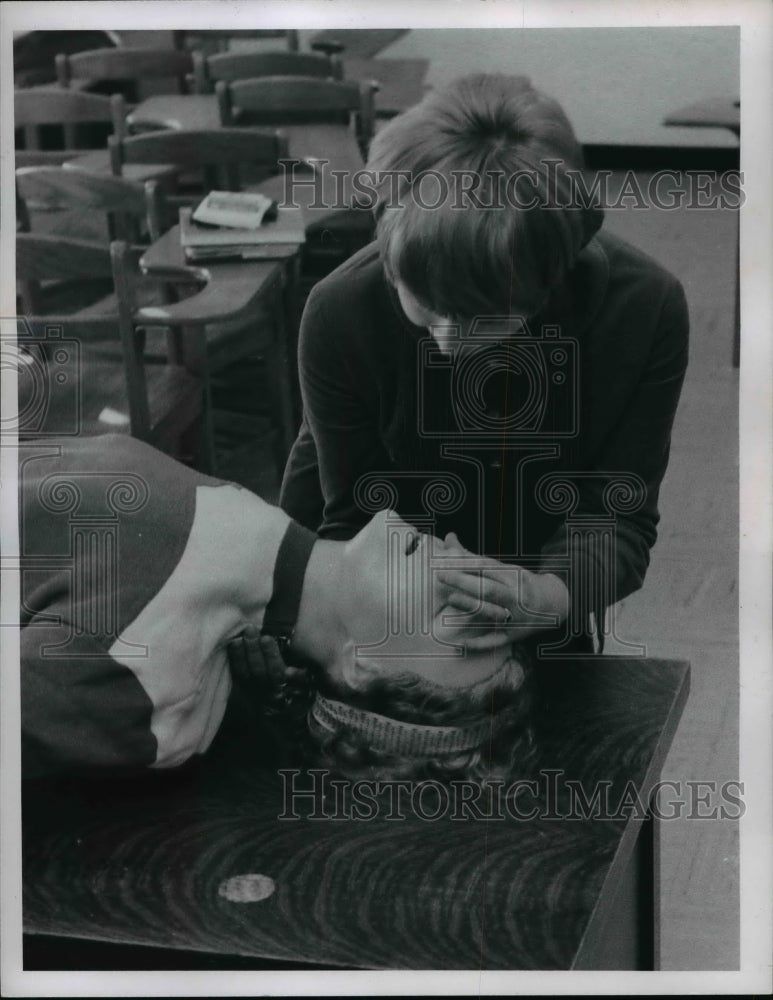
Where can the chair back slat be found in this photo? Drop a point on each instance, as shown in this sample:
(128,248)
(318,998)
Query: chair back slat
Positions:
(291,100)
(52,258)
(296,94)
(50,105)
(223,155)
(123,64)
(134,211)
(211,146)
(71,112)
(249,65)
(58,188)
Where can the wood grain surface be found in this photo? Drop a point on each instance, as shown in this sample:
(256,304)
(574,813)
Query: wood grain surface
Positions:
(148,861)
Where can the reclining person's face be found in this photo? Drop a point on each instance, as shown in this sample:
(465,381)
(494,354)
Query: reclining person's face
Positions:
(395,614)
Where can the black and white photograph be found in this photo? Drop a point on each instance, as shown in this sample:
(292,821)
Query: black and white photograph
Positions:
(385,470)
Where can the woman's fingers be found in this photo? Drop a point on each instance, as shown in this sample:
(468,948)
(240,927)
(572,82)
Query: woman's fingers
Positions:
(255,656)
(274,664)
(237,658)
(481,588)
(484,611)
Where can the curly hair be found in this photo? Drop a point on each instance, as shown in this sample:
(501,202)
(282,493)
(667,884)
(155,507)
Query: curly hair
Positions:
(506,699)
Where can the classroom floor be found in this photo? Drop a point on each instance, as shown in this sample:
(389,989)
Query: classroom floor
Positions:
(688,607)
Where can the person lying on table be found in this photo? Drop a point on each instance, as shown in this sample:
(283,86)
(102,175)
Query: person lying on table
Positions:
(137,573)
(493,339)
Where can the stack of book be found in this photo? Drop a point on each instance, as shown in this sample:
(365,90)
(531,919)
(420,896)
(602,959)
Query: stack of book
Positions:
(240,226)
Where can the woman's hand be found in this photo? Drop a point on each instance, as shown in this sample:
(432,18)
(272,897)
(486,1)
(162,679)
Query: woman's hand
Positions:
(256,658)
(516,601)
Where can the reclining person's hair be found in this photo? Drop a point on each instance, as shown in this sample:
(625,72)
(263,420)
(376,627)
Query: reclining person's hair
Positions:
(407,727)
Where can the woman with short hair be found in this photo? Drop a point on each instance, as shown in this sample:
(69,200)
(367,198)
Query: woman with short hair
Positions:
(494,363)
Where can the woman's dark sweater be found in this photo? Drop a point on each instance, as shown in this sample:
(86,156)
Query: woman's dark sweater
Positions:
(547,451)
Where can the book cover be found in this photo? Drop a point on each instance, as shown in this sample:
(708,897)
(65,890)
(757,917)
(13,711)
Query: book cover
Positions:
(287,228)
(255,251)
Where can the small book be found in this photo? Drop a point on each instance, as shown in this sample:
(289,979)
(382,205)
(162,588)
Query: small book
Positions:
(255,251)
(235,209)
(278,238)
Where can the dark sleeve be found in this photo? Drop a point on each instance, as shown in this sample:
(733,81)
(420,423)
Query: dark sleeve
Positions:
(81,711)
(625,478)
(300,495)
(103,522)
(341,428)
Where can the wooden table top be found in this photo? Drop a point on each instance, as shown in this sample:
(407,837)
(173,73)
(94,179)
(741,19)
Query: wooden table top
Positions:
(231,288)
(715,112)
(98,162)
(161,860)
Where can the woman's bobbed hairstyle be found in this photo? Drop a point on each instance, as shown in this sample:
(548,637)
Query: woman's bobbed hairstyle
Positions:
(478,205)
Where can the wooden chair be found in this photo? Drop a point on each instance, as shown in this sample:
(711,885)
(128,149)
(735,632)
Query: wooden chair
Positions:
(249,65)
(72,387)
(76,203)
(248,351)
(328,46)
(220,40)
(68,119)
(123,68)
(230,159)
(34,52)
(61,200)
(222,159)
(298,100)
(331,236)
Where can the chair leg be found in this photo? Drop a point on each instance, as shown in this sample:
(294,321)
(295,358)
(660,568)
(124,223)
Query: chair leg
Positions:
(281,385)
(292,315)
(189,348)
(195,350)
(207,460)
